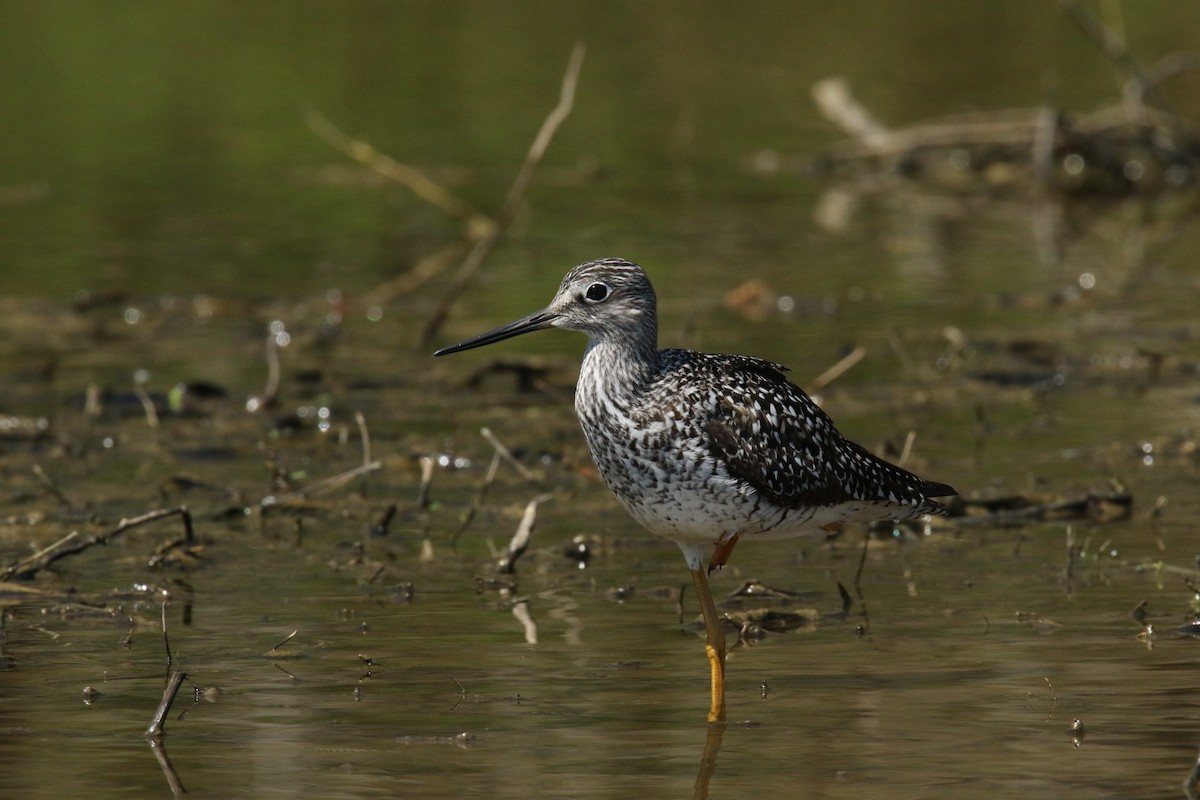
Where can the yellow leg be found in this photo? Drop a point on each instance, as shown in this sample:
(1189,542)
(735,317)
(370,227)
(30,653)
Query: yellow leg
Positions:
(714,646)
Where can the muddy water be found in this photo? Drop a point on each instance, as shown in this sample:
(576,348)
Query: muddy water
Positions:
(958,669)
(1041,350)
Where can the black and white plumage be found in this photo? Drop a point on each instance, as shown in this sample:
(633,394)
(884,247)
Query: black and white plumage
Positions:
(703,448)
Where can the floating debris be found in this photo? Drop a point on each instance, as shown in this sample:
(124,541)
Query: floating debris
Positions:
(1077,732)
(1116,151)
(463,740)
(1094,505)
(755,624)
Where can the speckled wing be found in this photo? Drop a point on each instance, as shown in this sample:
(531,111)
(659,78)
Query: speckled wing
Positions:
(788,449)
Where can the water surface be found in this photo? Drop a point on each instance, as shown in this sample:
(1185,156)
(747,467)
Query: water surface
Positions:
(165,205)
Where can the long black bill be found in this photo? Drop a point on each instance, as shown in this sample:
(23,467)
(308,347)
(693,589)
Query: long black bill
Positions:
(534,322)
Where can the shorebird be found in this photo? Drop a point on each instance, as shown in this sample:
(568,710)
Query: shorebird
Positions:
(705,449)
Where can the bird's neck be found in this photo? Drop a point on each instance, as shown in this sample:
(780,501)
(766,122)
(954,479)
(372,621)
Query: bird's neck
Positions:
(615,367)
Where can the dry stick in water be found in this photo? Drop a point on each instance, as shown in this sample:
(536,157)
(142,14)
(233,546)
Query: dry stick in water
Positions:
(271,390)
(364,435)
(906,453)
(49,548)
(480,496)
(1114,49)
(520,541)
(837,104)
(147,402)
(475,225)
(166,639)
(337,481)
(507,455)
(512,202)
(287,639)
(155,731)
(382,528)
(837,370)
(424,270)
(50,485)
(34,564)
(427,465)
(416,181)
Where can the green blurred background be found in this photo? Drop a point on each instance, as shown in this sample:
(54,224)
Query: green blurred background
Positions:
(161,147)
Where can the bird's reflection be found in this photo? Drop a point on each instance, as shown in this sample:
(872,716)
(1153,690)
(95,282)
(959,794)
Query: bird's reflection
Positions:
(708,761)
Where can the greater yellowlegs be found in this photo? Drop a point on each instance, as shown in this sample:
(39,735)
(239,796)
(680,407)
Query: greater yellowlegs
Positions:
(702,448)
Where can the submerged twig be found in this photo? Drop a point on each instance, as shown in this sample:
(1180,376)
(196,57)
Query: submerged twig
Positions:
(862,562)
(291,675)
(512,202)
(164,762)
(1191,782)
(462,692)
(1053,699)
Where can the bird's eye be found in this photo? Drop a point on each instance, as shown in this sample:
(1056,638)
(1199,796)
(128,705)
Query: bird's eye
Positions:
(597,293)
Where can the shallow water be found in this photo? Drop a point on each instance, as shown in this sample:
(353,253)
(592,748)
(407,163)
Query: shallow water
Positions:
(974,662)
(199,210)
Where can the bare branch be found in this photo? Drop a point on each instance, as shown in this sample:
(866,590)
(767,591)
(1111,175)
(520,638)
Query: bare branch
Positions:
(516,194)
(29,567)
(839,106)
(833,373)
(413,179)
(155,731)
(507,455)
(364,435)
